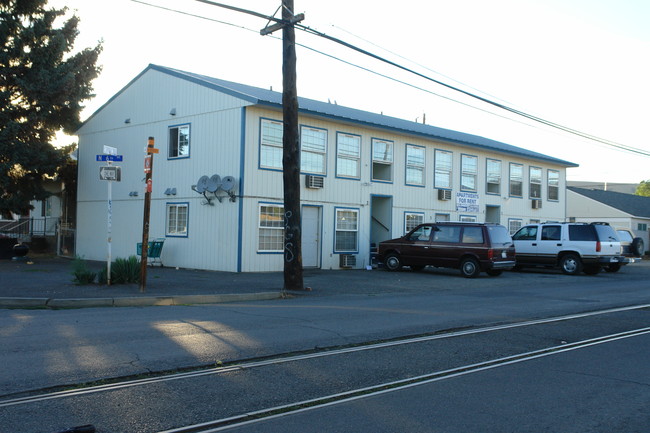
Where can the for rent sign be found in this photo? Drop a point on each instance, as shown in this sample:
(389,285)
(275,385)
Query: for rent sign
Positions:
(467,202)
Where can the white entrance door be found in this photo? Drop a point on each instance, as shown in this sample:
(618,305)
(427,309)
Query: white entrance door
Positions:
(310,237)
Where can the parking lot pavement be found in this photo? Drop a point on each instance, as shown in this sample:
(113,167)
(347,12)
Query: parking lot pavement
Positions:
(46,280)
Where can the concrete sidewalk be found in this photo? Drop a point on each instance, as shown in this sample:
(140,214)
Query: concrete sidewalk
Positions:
(47,282)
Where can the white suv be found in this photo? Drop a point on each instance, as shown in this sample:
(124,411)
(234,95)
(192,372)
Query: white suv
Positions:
(574,247)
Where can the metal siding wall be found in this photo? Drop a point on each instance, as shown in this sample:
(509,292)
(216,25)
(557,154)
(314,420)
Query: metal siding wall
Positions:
(214,149)
(266,185)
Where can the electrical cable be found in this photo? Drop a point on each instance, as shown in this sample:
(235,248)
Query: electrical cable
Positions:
(339,41)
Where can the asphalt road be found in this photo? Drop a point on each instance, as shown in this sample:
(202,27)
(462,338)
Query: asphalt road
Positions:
(43,349)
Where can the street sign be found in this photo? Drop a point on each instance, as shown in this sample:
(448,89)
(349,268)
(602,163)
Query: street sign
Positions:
(115,158)
(110,172)
(109,150)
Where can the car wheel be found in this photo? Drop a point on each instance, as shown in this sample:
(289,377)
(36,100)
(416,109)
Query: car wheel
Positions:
(417,268)
(494,272)
(469,268)
(614,267)
(638,247)
(393,262)
(571,264)
(592,270)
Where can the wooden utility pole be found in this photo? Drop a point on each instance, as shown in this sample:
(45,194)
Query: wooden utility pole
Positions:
(147,212)
(291,149)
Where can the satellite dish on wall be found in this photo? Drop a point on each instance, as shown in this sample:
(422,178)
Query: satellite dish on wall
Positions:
(214,183)
(228,183)
(202,184)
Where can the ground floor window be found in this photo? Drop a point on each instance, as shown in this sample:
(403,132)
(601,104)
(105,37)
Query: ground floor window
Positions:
(347,228)
(468,218)
(514,225)
(412,220)
(177,219)
(271,228)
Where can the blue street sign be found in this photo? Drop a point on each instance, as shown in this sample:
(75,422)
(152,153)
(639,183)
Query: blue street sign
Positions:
(115,158)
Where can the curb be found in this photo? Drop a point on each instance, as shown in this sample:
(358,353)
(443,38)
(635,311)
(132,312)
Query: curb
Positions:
(144,301)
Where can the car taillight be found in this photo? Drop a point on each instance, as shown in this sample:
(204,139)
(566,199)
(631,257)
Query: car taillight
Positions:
(490,254)
(597,246)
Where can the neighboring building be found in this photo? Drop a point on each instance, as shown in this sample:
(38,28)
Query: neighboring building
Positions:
(626,188)
(618,209)
(365,177)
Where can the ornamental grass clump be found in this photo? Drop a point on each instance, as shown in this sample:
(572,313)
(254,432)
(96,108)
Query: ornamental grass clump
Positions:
(123,271)
(81,273)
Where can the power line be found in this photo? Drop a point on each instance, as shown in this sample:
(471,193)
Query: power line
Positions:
(353,47)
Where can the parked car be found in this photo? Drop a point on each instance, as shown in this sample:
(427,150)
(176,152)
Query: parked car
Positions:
(573,247)
(470,247)
(631,247)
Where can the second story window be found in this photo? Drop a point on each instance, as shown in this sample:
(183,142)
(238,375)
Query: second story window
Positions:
(553,185)
(535,188)
(271,144)
(443,162)
(382,160)
(469,172)
(516,180)
(313,148)
(179,141)
(414,165)
(493,176)
(348,154)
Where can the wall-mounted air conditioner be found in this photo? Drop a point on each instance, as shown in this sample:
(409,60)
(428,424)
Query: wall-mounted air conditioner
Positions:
(347,261)
(314,182)
(536,203)
(444,194)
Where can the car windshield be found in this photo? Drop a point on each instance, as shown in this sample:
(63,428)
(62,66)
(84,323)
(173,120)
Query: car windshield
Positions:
(499,235)
(606,233)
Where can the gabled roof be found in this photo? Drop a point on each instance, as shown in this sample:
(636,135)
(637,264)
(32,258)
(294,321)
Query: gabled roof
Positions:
(635,205)
(259,96)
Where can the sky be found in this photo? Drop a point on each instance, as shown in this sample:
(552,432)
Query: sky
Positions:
(583,64)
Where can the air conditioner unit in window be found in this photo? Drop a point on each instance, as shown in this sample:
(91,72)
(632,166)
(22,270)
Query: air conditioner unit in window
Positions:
(536,203)
(444,194)
(347,261)
(314,182)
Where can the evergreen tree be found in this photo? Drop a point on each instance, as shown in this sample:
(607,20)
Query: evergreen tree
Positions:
(643,188)
(42,85)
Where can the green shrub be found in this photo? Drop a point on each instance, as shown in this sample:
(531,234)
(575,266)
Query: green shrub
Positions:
(123,271)
(81,273)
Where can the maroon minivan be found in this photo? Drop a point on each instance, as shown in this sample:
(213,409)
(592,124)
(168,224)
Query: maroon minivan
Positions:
(470,247)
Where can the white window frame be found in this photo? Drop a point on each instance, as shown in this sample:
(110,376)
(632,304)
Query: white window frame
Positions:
(535,175)
(513,180)
(382,165)
(553,185)
(339,227)
(441,171)
(416,157)
(493,176)
(468,172)
(273,229)
(514,224)
(412,220)
(468,218)
(271,144)
(313,148)
(348,154)
(175,134)
(177,222)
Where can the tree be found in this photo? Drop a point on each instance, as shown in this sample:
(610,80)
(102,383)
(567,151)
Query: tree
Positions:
(42,85)
(643,188)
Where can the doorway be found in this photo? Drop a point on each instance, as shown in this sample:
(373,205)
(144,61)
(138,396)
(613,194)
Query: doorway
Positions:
(311,231)
(381,211)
